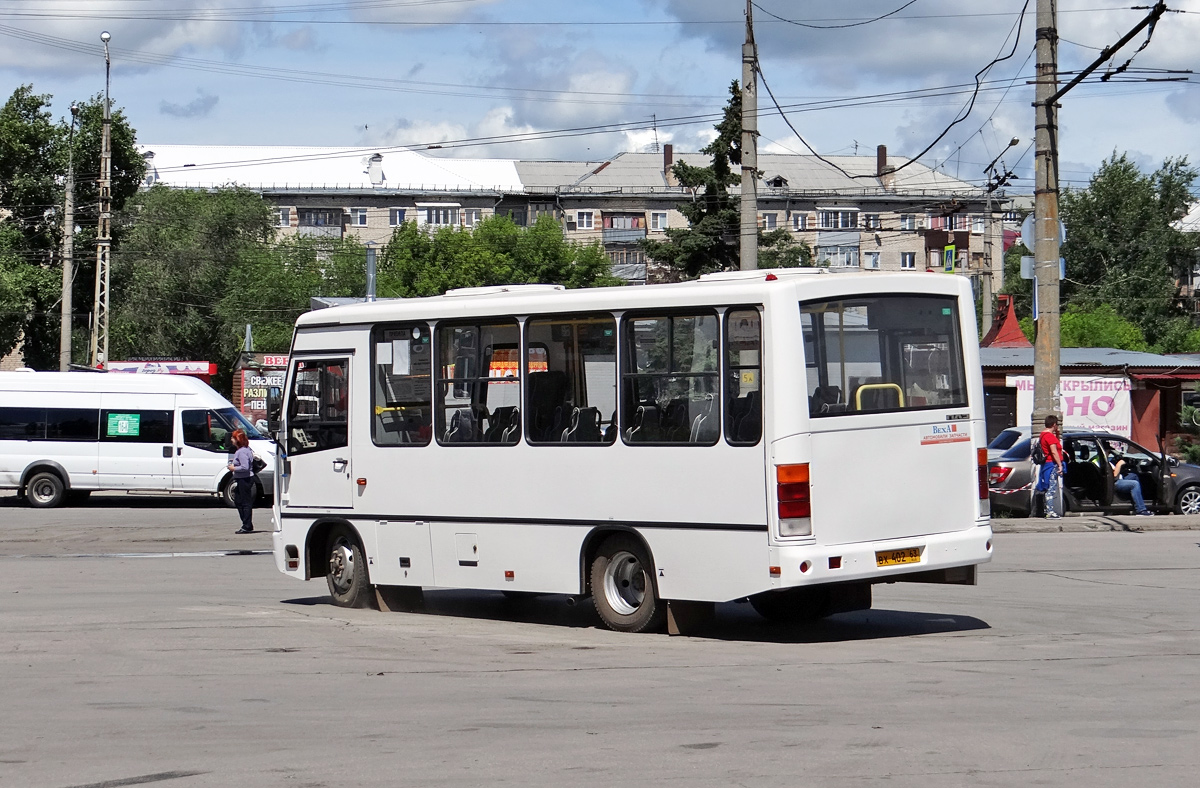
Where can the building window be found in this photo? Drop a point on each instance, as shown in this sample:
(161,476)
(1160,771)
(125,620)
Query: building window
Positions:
(799,221)
(837,256)
(441,217)
(977,225)
(870,260)
(838,220)
(658,221)
(871,221)
(958,221)
(395,217)
(908,221)
(583,220)
(320,217)
(624,221)
(517,215)
(283,217)
(768,221)
(472,216)
(908,260)
(358,217)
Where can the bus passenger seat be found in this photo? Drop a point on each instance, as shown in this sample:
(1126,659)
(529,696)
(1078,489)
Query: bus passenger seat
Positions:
(749,428)
(703,423)
(824,399)
(585,426)
(462,427)
(547,395)
(639,416)
(610,432)
(502,425)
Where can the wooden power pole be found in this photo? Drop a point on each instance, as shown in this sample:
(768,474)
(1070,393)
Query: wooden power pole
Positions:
(1046,354)
(749,204)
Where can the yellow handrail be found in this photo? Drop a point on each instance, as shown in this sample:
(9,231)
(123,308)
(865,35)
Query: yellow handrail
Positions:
(875,387)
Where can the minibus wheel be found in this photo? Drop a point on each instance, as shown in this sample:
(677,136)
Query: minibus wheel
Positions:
(45,490)
(349,584)
(623,589)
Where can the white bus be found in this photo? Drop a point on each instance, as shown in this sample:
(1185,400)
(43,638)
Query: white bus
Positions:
(64,435)
(789,436)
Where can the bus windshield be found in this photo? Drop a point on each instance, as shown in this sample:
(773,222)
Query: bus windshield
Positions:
(883,353)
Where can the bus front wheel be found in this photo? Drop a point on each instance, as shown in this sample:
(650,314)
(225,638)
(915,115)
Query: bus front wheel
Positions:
(347,577)
(623,590)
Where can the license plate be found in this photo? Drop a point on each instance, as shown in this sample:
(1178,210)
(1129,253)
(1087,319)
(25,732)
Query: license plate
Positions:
(908,555)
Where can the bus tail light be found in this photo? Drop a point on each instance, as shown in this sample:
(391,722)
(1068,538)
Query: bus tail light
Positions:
(981,458)
(794,500)
(293,557)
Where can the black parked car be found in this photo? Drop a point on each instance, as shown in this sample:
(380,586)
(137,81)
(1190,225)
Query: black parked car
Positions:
(1088,487)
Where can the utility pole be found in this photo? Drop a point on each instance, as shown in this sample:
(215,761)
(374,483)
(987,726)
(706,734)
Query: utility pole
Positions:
(1047,229)
(68,251)
(104,230)
(1046,350)
(749,225)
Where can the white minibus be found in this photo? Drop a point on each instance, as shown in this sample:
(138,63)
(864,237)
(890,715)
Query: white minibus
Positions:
(64,435)
(790,436)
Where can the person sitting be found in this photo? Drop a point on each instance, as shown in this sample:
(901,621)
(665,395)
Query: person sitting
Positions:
(1130,485)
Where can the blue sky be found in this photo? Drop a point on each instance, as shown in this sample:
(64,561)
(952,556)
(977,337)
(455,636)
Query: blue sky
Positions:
(424,72)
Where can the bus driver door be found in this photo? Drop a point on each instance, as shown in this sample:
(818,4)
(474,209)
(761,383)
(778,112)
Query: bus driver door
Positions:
(317,429)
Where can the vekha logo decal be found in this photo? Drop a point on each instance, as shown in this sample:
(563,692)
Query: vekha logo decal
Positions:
(944,433)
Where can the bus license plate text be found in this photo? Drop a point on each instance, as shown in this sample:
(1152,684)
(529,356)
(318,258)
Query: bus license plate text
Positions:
(909,555)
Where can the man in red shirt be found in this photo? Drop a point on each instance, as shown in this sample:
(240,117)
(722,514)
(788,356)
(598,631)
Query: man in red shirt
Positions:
(1052,469)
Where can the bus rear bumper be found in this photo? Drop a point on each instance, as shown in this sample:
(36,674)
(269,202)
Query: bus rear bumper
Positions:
(928,558)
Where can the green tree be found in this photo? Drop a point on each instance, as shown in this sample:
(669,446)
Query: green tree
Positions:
(33,163)
(177,268)
(1122,249)
(417,263)
(710,242)
(1100,327)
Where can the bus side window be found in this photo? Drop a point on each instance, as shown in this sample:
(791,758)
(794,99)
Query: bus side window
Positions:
(318,418)
(402,385)
(743,377)
(571,366)
(478,393)
(670,379)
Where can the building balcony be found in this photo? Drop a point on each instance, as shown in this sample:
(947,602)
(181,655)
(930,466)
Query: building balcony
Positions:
(319,231)
(611,236)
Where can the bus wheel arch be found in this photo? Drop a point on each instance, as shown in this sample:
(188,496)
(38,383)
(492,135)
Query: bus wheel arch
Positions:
(622,582)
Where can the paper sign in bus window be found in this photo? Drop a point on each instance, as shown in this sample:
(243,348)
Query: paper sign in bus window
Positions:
(124,424)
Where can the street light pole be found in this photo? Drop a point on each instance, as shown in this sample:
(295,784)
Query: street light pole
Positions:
(99,356)
(68,251)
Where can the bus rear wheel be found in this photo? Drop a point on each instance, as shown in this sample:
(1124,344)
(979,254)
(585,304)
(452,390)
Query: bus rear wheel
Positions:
(623,590)
(347,577)
(45,490)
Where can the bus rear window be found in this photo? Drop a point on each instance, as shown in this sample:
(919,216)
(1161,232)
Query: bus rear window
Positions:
(875,354)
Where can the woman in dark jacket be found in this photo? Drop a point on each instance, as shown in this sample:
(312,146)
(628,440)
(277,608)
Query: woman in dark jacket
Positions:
(243,476)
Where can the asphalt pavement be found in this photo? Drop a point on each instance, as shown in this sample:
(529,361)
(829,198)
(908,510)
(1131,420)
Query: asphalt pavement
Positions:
(135,649)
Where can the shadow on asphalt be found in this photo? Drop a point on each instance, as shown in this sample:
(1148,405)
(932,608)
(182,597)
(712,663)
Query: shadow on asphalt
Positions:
(135,501)
(733,621)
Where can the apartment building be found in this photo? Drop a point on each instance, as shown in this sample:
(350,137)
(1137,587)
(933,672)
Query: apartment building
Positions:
(865,212)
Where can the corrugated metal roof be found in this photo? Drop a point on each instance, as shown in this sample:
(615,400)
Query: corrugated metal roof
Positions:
(999,357)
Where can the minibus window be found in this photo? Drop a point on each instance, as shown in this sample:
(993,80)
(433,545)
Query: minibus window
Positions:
(72,424)
(670,377)
(571,368)
(478,388)
(317,409)
(402,385)
(743,377)
(883,353)
(137,426)
(22,424)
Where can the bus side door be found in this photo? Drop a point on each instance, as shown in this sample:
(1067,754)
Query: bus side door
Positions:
(317,430)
